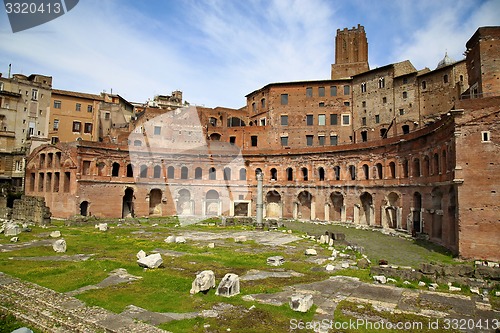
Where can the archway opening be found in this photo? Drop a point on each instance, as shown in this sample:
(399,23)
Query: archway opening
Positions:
(155,202)
(128,203)
(273,204)
(84,208)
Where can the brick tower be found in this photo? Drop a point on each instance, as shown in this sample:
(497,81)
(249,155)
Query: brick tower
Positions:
(351,53)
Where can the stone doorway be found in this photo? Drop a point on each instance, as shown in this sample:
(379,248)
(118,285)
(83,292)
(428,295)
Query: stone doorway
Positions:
(273,204)
(337,209)
(305,208)
(212,203)
(128,203)
(366,211)
(155,202)
(84,208)
(184,203)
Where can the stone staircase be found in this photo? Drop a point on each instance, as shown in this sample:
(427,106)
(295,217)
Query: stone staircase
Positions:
(54,312)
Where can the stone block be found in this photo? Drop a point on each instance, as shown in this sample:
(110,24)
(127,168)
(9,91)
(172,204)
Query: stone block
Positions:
(59,246)
(229,286)
(203,282)
(152,261)
(301,303)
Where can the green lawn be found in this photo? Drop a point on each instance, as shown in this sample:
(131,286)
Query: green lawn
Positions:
(167,289)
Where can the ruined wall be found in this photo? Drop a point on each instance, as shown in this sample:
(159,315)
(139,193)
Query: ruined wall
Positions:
(31,210)
(478,178)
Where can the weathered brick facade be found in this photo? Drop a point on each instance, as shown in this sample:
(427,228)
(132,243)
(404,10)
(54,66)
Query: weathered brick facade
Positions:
(437,177)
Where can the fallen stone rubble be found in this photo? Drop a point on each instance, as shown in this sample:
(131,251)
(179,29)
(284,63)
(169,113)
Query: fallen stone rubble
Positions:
(54,312)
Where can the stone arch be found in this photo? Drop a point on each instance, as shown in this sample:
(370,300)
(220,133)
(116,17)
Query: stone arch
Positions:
(128,203)
(274,174)
(170,172)
(366,171)
(380,171)
(336,172)
(426,167)
(84,208)
(215,137)
(289,174)
(243,174)
(115,169)
(155,197)
(366,213)
(212,203)
(321,174)
(184,172)
(157,171)
(184,203)
(212,174)
(198,173)
(305,207)
(227,173)
(392,170)
(391,215)
(130,170)
(337,207)
(305,173)
(273,204)
(143,173)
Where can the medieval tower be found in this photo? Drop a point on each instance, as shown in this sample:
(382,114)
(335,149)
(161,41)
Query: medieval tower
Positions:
(351,53)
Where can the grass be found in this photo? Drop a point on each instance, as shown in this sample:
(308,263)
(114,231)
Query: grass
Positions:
(396,250)
(167,289)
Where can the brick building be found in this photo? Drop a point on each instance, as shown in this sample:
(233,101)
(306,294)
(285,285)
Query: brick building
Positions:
(324,154)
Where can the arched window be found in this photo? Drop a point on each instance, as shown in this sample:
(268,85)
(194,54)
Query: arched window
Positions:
(170,172)
(274,174)
(289,174)
(406,129)
(406,168)
(212,174)
(198,173)
(380,171)
(137,143)
(366,171)
(305,174)
(243,174)
(115,171)
(321,173)
(215,137)
(392,169)
(436,164)
(227,174)
(157,171)
(184,172)
(144,171)
(352,172)
(130,170)
(336,171)
(416,168)
(426,167)
(257,171)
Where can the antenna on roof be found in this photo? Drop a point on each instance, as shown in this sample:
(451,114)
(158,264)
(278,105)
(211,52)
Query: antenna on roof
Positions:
(10,68)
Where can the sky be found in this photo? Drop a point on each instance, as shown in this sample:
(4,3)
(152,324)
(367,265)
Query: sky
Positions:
(218,51)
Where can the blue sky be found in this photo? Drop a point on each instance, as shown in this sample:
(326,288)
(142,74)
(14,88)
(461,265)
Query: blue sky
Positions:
(218,51)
